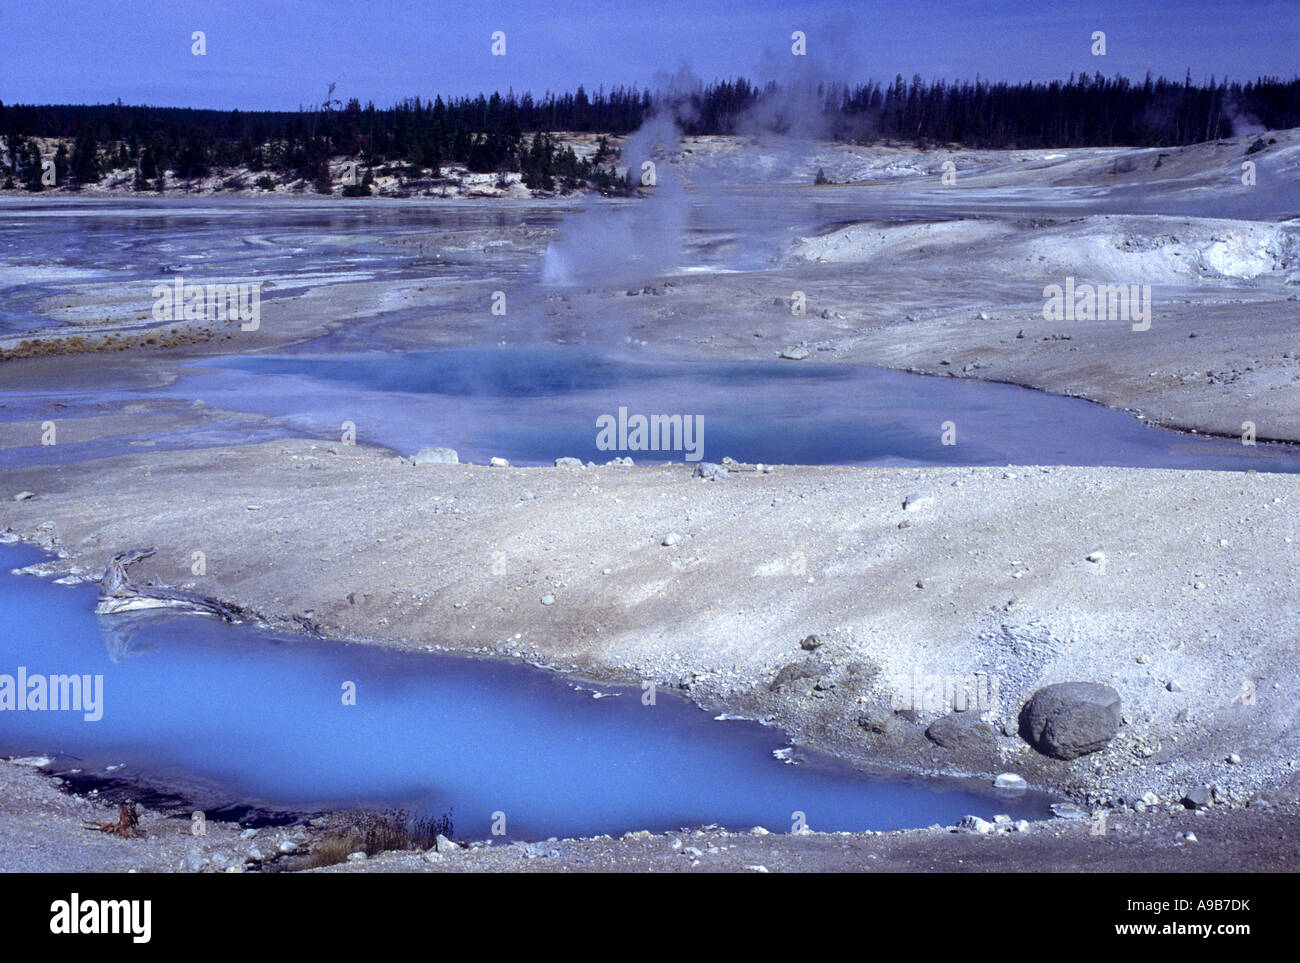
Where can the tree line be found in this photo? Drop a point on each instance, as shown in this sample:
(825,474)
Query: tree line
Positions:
(516,133)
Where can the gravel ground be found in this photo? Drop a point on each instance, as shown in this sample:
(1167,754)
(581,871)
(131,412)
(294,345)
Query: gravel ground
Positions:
(1179,589)
(1188,611)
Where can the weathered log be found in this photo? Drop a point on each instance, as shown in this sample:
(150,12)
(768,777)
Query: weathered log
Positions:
(117,593)
(127,825)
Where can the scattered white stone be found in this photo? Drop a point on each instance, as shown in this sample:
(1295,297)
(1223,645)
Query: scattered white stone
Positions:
(24,495)
(357,857)
(759,831)
(1097,557)
(548,599)
(1234,760)
(194,861)
(437,456)
(496,462)
(672,538)
(916,500)
(973,824)
(794,353)
(36,762)
(757,869)
(1009,780)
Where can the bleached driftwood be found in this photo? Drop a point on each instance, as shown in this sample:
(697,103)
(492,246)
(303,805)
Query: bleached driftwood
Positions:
(117,593)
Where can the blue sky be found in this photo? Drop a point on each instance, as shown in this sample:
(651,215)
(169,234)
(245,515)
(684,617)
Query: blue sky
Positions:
(283,53)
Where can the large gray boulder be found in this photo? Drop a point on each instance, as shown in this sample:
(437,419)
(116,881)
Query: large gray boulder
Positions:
(1070,719)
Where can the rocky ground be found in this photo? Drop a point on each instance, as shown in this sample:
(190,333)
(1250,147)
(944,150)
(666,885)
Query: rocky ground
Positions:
(1176,589)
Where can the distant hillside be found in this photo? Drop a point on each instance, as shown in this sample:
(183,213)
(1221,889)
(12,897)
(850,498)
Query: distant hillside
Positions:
(502,135)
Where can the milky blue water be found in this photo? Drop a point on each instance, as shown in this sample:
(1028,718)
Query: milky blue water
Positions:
(256,717)
(535,403)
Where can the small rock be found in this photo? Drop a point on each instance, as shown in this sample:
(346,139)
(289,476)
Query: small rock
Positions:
(194,861)
(357,857)
(916,500)
(567,462)
(794,353)
(1199,797)
(1234,760)
(710,471)
(973,824)
(437,456)
(496,462)
(1009,780)
(1097,557)
(672,538)
(548,600)
(24,495)
(1068,810)
(961,730)
(1174,685)
(810,643)
(807,669)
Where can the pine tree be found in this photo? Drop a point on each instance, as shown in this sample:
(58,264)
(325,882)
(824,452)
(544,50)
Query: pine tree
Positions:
(85,167)
(323,183)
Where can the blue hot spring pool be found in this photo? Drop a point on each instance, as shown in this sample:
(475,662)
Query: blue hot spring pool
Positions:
(535,403)
(257,718)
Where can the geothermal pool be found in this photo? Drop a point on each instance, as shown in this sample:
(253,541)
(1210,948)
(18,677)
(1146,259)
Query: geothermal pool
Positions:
(535,403)
(258,718)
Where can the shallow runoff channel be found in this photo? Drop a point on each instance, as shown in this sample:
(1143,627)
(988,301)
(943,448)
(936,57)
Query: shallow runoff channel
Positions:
(256,718)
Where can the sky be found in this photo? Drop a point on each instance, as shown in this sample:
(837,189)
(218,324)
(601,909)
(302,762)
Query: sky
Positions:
(282,54)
